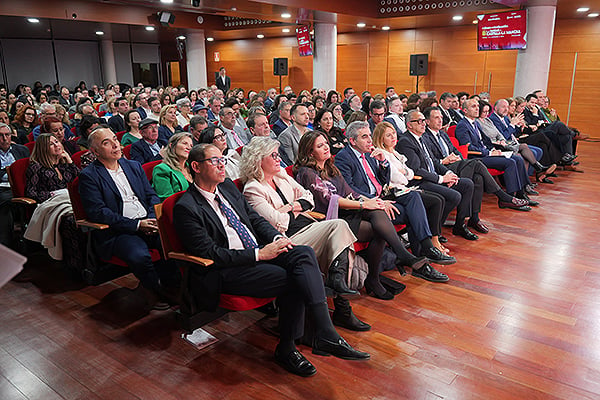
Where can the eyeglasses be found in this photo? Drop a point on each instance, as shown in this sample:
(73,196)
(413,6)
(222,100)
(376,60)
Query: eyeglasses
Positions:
(418,121)
(215,160)
(274,155)
(379,114)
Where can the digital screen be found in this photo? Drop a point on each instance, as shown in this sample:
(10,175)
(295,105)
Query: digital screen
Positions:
(502,31)
(304,43)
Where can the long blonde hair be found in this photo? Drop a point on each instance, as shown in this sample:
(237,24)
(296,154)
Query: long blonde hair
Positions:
(163,113)
(41,151)
(169,156)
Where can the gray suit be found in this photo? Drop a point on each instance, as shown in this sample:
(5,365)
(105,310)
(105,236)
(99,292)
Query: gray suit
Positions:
(289,140)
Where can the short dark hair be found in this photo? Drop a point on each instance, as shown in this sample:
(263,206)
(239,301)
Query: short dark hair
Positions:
(376,104)
(347,90)
(231,101)
(198,153)
(197,120)
(295,107)
(428,110)
(251,121)
(388,88)
(208,134)
(530,96)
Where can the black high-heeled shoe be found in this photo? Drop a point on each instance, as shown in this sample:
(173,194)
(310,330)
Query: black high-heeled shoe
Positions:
(385,295)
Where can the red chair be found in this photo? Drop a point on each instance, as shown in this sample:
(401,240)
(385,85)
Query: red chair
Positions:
(101,114)
(186,128)
(97,106)
(290,170)
(92,272)
(71,115)
(24,205)
(120,135)
(30,137)
(239,184)
(77,158)
(149,168)
(127,152)
(74,130)
(30,146)
(173,249)
(239,150)
(452,131)
(464,151)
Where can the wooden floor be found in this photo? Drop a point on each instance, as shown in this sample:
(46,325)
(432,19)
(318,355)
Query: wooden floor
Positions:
(520,319)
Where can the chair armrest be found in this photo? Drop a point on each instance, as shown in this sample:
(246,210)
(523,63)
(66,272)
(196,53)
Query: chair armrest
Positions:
(92,225)
(417,177)
(316,215)
(473,152)
(24,200)
(204,262)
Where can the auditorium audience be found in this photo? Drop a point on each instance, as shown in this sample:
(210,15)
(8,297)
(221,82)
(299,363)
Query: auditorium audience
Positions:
(290,137)
(132,126)
(324,123)
(25,120)
(215,136)
(168,124)
(55,127)
(148,148)
(172,174)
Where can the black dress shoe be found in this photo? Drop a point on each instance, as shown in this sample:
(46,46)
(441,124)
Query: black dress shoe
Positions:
(436,256)
(478,226)
(530,191)
(344,317)
(378,294)
(295,363)
(338,348)
(443,239)
(515,204)
(430,274)
(462,230)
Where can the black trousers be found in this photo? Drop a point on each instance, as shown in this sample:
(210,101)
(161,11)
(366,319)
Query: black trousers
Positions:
(482,180)
(6,217)
(458,196)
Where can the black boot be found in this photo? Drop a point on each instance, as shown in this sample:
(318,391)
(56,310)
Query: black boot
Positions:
(539,167)
(344,317)
(338,274)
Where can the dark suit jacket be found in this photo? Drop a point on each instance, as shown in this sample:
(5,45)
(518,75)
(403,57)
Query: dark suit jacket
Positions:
(140,151)
(393,122)
(203,235)
(409,146)
(506,130)
(279,126)
(103,204)
(456,116)
(116,123)
(211,116)
(224,87)
(18,151)
(434,147)
(354,173)
(466,133)
(142,112)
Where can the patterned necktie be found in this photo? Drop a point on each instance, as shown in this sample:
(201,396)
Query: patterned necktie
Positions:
(367,169)
(445,151)
(477,129)
(430,166)
(236,224)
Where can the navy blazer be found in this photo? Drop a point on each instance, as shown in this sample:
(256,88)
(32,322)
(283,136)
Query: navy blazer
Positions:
(142,112)
(354,173)
(393,122)
(140,151)
(409,146)
(506,130)
(435,150)
(116,123)
(103,204)
(466,133)
(279,126)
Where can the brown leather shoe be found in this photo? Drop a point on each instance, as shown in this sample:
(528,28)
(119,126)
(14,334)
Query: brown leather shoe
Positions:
(478,226)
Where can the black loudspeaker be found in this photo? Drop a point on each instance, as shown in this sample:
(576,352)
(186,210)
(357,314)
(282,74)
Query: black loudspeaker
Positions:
(165,18)
(419,64)
(280,66)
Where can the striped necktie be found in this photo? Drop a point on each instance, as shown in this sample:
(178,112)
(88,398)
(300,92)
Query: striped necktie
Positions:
(236,224)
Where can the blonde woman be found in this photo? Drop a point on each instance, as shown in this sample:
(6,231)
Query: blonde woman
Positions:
(168,122)
(172,175)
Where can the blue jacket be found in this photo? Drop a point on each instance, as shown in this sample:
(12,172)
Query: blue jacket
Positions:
(466,133)
(354,173)
(140,151)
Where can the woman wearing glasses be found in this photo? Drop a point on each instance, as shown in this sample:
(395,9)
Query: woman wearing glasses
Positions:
(213,135)
(25,121)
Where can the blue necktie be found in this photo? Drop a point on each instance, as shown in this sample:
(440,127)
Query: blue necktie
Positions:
(236,224)
(427,157)
(445,151)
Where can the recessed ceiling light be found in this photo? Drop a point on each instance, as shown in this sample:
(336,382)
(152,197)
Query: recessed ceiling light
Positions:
(166,1)
(593,15)
(285,30)
(361,24)
(260,36)
(149,28)
(583,9)
(286,15)
(209,39)
(181,37)
(474,21)
(457,18)
(33,20)
(233,8)
(99,33)
(385,28)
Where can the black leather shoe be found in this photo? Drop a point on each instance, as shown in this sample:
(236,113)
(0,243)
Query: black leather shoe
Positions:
(530,202)
(344,317)
(478,226)
(430,274)
(530,191)
(338,348)
(385,295)
(436,256)
(295,363)
(515,204)
(443,239)
(462,230)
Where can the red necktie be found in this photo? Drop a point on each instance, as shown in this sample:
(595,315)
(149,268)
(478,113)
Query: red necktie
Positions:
(370,174)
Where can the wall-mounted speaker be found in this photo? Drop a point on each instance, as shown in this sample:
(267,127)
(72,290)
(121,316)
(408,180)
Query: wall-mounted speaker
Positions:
(419,64)
(165,18)
(280,66)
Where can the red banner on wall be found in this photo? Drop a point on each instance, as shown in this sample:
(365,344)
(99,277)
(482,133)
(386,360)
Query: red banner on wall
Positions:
(304,43)
(502,31)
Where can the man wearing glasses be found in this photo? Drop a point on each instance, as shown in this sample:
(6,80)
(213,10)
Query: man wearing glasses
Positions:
(252,258)
(377,112)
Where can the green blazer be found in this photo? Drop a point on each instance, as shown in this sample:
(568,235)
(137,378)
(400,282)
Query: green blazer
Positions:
(128,138)
(167,181)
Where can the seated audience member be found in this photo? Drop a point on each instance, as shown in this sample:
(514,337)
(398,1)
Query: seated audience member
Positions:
(5,119)
(184,108)
(285,118)
(148,148)
(445,106)
(116,192)
(141,105)
(25,120)
(55,127)
(117,121)
(428,102)
(234,135)
(511,129)
(168,123)
(215,222)
(259,125)
(215,136)
(338,116)
(377,114)
(200,110)
(357,116)
(366,102)
(197,125)
(50,170)
(395,115)
(290,137)
(354,104)
(385,138)
(132,126)
(324,123)
(155,107)
(440,147)
(9,153)
(214,107)
(469,132)
(172,175)
(366,217)
(87,125)
(165,99)
(332,98)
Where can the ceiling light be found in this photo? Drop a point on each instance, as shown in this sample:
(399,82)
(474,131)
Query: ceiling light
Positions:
(583,9)
(285,30)
(260,36)
(33,20)
(150,28)
(209,39)
(475,21)
(385,28)
(181,37)
(286,15)
(166,1)
(593,15)
(457,18)
(361,24)
(99,33)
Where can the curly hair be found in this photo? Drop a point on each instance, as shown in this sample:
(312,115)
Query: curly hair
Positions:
(20,116)
(252,156)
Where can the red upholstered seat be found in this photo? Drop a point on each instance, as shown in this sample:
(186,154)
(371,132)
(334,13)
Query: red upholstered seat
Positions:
(149,168)
(127,152)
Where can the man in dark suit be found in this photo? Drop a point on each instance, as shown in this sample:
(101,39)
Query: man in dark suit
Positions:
(116,192)
(469,132)
(223,82)
(367,172)
(9,153)
(448,114)
(141,104)
(377,114)
(117,121)
(251,258)
(458,192)
(441,148)
(285,117)
(148,147)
